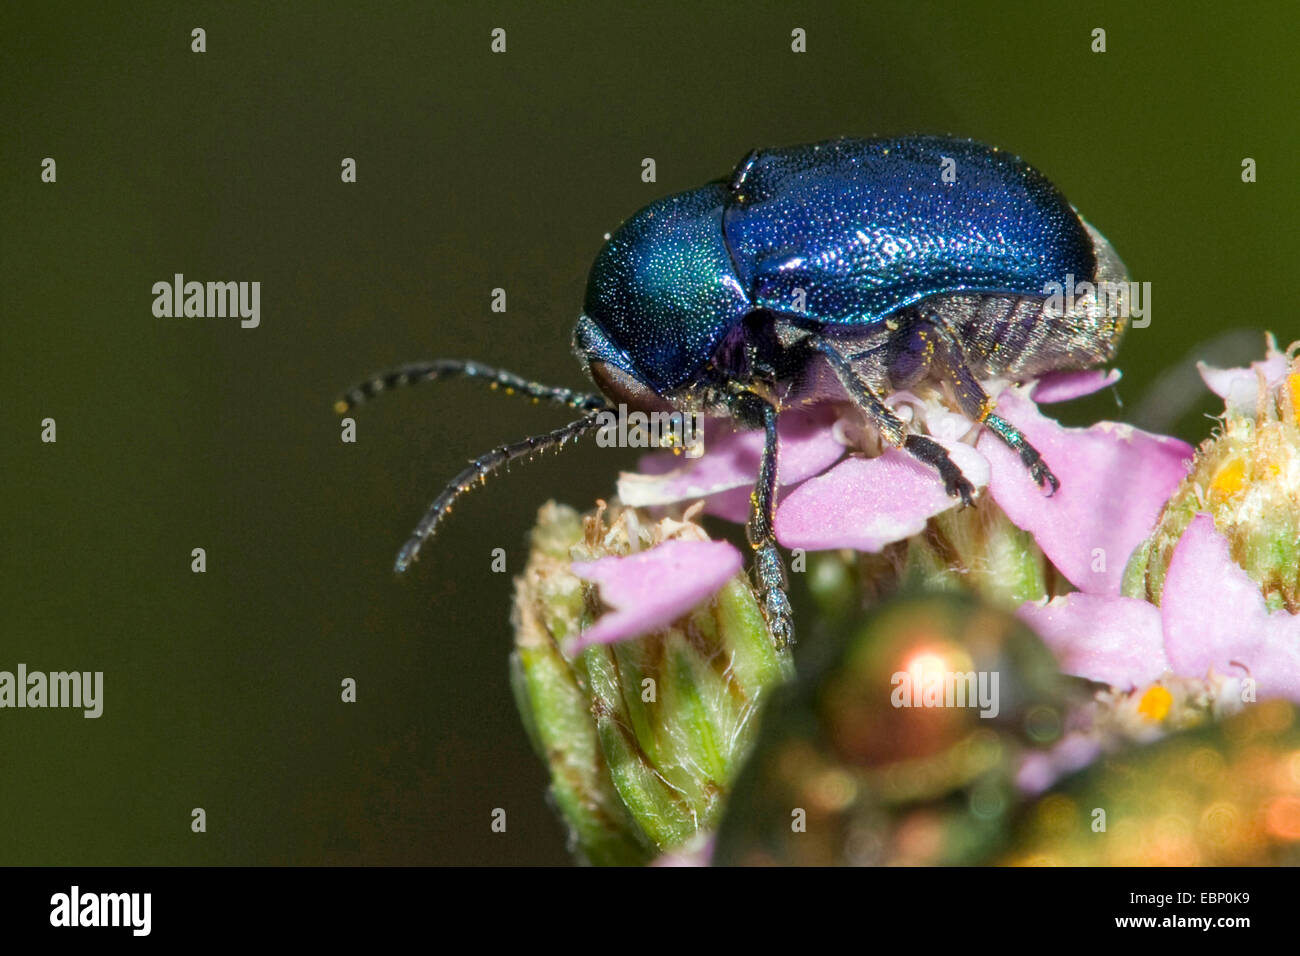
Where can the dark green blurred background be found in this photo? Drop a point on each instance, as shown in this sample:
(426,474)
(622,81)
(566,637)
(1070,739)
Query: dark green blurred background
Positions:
(475,171)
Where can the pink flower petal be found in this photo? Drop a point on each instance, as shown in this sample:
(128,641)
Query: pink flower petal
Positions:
(1114,481)
(1239,387)
(1041,768)
(734,505)
(652,589)
(867,503)
(697,853)
(1065,386)
(1114,640)
(1215,616)
(731,460)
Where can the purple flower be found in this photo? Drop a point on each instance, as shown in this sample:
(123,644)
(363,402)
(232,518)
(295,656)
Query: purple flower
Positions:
(1114,640)
(698,852)
(867,503)
(1212,618)
(653,588)
(1039,769)
(725,474)
(1208,613)
(1240,387)
(1114,479)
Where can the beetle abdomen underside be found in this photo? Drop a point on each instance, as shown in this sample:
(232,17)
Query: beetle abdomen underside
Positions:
(1023,337)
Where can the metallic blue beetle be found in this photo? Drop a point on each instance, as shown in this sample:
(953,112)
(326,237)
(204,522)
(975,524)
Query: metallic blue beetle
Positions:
(881,261)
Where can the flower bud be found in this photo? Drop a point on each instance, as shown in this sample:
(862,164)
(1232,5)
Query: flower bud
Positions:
(971,550)
(643,736)
(1247,476)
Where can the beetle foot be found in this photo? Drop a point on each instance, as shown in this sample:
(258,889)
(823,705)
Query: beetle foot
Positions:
(769,574)
(1029,455)
(1039,471)
(780,618)
(960,487)
(932,453)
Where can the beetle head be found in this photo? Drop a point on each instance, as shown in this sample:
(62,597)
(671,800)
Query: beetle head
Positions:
(661,296)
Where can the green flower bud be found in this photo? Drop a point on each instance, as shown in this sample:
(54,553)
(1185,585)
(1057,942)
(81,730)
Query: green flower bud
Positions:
(556,707)
(963,550)
(980,550)
(1247,476)
(643,737)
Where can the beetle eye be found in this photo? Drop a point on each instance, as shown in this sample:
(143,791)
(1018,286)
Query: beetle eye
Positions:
(620,387)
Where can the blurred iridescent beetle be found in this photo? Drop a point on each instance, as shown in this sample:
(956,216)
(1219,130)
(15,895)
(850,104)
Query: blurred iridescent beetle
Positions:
(880,261)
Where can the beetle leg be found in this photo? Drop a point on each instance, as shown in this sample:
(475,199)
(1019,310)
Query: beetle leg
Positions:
(893,429)
(976,403)
(1038,469)
(476,473)
(419,372)
(769,568)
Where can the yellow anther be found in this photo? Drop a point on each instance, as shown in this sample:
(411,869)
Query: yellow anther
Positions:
(1155,703)
(1229,479)
(340,406)
(1293,385)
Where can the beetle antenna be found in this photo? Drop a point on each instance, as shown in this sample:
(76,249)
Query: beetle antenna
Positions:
(476,473)
(418,372)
